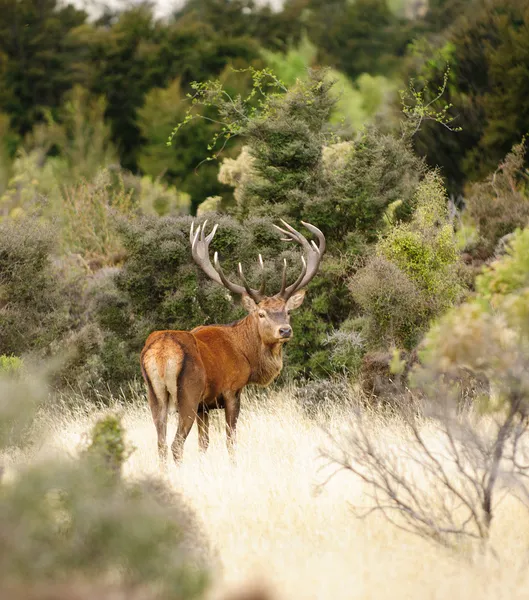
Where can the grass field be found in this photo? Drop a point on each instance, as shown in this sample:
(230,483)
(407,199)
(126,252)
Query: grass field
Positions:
(271,523)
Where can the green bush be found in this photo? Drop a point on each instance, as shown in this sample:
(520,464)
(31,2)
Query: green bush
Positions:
(414,275)
(68,522)
(107,444)
(34,294)
(10,365)
(489,334)
(500,204)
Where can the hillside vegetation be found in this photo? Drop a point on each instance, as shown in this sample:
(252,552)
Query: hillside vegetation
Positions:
(392,452)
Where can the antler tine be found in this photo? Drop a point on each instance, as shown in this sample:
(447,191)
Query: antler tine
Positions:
(262,288)
(319,234)
(298,281)
(313,254)
(200,251)
(283,278)
(233,287)
(254,295)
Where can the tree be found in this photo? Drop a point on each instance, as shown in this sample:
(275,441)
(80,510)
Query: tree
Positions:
(356,37)
(38,52)
(179,163)
(486,47)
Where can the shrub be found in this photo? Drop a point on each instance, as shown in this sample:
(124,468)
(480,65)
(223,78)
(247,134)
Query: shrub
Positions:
(500,204)
(489,334)
(451,496)
(392,302)
(10,365)
(87,224)
(68,522)
(107,444)
(34,307)
(414,275)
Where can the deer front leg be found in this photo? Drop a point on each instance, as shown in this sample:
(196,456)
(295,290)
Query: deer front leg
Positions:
(203,429)
(231,408)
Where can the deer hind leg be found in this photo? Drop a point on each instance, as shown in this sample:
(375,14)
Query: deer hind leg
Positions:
(189,395)
(186,418)
(159,404)
(203,429)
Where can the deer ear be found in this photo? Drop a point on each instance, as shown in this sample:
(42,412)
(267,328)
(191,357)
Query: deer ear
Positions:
(248,303)
(296,300)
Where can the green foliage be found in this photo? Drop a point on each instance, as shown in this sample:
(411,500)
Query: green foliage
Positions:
(33,296)
(356,37)
(107,444)
(507,276)
(292,168)
(179,163)
(392,303)
(79,140)
(10,365)
(486,46)
(20,397)
(38,50)
(489,334)
(68,522)
(356,102)
(87,218)
(500,204)
(417,109)
(414,275)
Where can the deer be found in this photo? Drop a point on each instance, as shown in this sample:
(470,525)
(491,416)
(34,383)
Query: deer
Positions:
(208,367)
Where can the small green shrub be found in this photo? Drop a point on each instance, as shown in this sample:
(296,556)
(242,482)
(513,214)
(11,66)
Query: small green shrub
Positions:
(10,365)
(489,334)
(392,302)
(107,444)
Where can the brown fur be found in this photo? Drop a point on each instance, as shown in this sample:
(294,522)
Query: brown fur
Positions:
(209,366)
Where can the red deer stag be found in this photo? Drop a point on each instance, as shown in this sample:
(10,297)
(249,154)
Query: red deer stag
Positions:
(209,366)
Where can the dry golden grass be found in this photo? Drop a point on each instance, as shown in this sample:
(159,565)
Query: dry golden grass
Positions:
(269,523)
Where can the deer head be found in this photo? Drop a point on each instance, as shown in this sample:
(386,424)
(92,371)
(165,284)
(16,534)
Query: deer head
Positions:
(271,313)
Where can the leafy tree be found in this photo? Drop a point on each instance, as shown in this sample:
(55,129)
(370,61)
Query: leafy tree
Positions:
(246,18)
(486,47)
(123,62)
(38,52)
(293,168)
(356,37)
(179,163)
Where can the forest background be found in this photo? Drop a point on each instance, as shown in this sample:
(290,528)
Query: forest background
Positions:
(95,206)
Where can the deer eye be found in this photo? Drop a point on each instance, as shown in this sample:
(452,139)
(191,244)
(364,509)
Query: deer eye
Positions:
(262,314)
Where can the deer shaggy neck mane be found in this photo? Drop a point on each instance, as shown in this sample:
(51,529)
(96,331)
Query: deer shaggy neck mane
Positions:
(265,360)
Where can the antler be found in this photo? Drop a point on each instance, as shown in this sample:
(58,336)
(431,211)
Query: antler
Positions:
(313,254)
(200,251)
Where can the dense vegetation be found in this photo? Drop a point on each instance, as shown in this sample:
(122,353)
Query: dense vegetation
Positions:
(96,206)
(119,131)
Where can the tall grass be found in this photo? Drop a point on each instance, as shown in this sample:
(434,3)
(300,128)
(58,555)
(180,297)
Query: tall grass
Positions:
(270,520)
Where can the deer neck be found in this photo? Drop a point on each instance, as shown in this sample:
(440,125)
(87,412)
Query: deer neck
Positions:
(266,360)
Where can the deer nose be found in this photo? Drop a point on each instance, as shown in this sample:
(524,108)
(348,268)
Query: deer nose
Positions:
(285,332)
